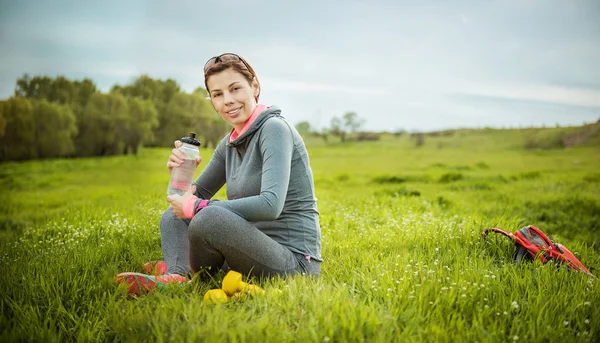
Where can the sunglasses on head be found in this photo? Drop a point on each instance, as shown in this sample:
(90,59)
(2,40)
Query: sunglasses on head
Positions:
(226,57)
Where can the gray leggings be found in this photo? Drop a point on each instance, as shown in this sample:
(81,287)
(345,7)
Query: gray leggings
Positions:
(218,238)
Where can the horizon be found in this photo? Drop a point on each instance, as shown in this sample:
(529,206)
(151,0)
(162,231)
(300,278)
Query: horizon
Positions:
(454,65)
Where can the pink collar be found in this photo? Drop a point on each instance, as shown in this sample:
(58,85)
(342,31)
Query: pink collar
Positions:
(257,110)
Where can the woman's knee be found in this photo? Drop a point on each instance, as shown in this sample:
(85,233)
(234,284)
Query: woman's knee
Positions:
(208,220)
(167,217)
(169,220)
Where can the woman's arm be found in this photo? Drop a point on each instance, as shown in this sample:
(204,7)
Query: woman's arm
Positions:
(212,177)
(276,147)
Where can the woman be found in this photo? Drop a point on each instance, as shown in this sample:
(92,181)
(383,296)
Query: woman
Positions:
(269,224)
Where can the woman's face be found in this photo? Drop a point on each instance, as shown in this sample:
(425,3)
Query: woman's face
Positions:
(233,97)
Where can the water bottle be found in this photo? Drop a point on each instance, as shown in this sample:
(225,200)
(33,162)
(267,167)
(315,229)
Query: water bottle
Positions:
(182,176)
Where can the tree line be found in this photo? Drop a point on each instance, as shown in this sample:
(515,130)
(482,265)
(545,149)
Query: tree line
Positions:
(58,117)
(344,128)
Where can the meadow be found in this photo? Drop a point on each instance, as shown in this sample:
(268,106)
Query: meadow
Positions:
(404,260)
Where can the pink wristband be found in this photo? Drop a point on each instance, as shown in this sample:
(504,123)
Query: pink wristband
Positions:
(202,204)
(188,207)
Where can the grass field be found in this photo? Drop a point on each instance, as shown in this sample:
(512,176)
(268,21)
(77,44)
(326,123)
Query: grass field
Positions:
(403,256)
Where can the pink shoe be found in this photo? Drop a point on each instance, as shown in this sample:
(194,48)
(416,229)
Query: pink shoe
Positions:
(155,267)
(138,284)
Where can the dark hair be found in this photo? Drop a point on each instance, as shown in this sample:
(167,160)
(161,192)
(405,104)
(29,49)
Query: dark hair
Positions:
(243,68)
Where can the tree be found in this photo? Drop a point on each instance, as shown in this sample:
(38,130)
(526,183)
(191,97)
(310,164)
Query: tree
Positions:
(161,93)
(352,122)
(349,123)
(84,90)
(18,141)
(303,128)
(62,91)
(55,129)
(38,87)
(215,129)
(399,132)
(184,113)
(142,120)
(2,123)
(103,125)
(323,134)
(201,92)
(337,129)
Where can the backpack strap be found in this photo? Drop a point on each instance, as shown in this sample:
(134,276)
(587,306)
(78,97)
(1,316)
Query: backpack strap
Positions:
(500,231)
(520,253)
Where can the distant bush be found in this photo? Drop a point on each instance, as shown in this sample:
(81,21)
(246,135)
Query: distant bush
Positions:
(389,179)
(419,138)
(558,138)
(342,177)
(367,136)
(445,133)
(451,177)
(545,140)
(501,179)
(592,177)
(529,175)
(443,202)
(482,165)
(399,133)
(395,179)
(476,186)
(397,192)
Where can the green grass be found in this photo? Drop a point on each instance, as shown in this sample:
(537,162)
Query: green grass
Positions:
(403,256)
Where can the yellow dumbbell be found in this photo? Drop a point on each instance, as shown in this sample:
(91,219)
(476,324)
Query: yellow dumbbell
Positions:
(232,284)
(215,296)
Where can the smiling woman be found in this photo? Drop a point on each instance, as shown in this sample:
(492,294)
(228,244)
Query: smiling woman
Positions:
(269,224)
(233,97)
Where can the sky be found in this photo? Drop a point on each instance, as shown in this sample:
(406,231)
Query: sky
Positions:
(400,65)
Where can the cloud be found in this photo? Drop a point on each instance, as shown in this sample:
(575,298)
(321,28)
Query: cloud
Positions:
(541,93)
(291,85)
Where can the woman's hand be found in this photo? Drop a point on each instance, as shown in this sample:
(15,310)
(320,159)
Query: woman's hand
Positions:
(177,202)
(177,157)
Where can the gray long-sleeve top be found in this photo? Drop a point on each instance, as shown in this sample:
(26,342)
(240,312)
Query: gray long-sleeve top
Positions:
(269,182)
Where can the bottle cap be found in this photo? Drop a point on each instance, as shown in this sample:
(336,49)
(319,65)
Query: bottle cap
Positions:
(191,139)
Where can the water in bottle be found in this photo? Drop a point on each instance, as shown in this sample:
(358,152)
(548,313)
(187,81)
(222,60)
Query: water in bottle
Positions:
(182,176)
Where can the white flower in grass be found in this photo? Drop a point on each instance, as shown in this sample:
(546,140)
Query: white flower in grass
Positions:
(505,313)
(514,305)
(515,338)
(587,321)
(587,303)
(566,323)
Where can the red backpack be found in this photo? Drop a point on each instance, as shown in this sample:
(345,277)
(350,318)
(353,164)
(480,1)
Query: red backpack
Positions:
(531,242)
